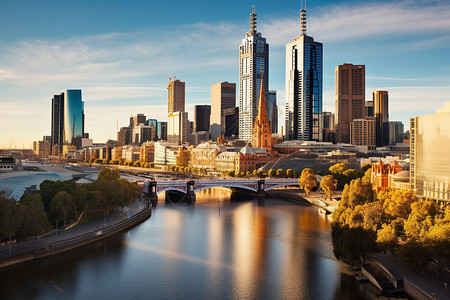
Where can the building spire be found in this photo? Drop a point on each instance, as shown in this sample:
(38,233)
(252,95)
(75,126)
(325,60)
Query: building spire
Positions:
(253,22)
(262,104)
(303,19)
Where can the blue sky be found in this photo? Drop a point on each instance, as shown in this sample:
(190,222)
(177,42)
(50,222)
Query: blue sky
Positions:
(109,50)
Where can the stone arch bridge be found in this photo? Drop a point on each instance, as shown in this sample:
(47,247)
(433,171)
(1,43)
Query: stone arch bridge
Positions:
(190,187)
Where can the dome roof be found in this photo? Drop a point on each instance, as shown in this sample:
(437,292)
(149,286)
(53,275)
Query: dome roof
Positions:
(402,175)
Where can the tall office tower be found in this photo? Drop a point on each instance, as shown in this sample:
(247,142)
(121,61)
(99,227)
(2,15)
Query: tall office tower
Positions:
(396,132)
(176,96)
(161,131)
(178,128)
(429,158)
(73,118)
(303,87)
(138,120)
(124,136)
(223,98)
(153,123)
(369,108)
(381,114)
(57,125)
(253,68)
(362,132)
(230,122)
(262,135)
(329,126)
(202,115)
(350,102)
(272,110)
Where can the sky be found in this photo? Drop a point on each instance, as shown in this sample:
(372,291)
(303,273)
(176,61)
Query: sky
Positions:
(111,49)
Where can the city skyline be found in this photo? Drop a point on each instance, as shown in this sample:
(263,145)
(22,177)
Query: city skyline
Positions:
(114,61)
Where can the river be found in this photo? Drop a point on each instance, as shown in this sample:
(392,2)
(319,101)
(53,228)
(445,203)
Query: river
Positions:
(216,249)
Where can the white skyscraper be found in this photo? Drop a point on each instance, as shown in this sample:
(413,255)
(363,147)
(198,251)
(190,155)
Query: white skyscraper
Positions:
(253,67)
(303,87)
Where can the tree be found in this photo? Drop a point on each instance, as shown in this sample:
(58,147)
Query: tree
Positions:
(307,180)
(272,173)
(229,173)
(261,173)
(109,174)
(255,173)
(35,219)
(280,173)
(183,157)
(290,173)
(329,185)
(338,168)
(421,219)
(60,206)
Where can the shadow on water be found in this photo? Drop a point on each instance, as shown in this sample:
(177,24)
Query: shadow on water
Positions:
(35,279)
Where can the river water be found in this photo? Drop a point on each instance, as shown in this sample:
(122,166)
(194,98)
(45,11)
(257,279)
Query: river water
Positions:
(217,249)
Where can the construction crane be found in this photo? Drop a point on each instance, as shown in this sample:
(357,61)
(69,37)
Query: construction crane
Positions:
(170,78)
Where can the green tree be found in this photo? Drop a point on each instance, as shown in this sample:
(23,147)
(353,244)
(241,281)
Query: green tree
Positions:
(60,206)
(109,174)
(35,218)
(421,219)
(230,173)
(307,180)
(338,168)
(329,185)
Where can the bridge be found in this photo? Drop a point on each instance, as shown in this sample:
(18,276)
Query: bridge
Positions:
(190,187)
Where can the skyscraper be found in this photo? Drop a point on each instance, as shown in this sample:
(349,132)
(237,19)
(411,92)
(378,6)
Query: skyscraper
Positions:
(272,110)
(303,87)
(362,132)
(253,68)
(73,118)
(350,102)
(176,96)
(381,114)
(223,98)
(57,125)
(202,115)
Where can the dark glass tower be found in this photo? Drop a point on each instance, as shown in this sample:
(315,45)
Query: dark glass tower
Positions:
(73,118)
(304,87)
(57,122)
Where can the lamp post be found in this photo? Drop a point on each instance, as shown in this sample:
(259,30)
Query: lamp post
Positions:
(56,222)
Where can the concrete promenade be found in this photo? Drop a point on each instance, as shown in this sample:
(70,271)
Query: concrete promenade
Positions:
(426,283)
(84,233)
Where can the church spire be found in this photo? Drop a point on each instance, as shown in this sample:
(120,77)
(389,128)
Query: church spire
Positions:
(262,135)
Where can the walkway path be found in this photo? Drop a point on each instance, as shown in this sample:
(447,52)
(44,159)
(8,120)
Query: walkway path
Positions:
(426,280)
(114,217)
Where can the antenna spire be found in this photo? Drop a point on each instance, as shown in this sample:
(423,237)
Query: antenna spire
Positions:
(253,21)
(303,19)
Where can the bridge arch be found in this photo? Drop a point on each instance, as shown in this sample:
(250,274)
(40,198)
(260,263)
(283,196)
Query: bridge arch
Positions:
(281,185)
(226,186)
(170,189)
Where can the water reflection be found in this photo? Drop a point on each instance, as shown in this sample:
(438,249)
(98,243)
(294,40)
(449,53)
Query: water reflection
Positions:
(217,249)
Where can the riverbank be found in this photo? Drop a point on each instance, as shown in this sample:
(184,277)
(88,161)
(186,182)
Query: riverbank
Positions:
(119,220)
(314,198)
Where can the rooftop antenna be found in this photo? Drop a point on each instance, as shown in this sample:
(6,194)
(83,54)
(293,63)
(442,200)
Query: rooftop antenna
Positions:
(253,21)
(303,19)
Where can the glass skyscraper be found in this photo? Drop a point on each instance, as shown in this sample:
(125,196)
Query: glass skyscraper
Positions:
(253,67)
(304,87)
(73,118)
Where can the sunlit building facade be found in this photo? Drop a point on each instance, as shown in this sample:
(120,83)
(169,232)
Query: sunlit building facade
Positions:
(429,155)
(253,68)
(304,87)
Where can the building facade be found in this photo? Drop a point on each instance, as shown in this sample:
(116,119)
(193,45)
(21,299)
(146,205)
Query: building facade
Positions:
(429,155)
(262,135)
(253,69)
(381,114)
(176,96)
(57,126)
(304,77)
(223,98)
(202,114)
(272,110)
(178,128)
(396,132)
(362,133)
(350,99)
